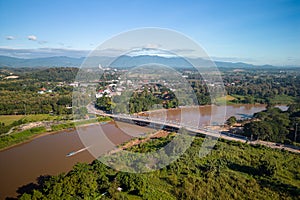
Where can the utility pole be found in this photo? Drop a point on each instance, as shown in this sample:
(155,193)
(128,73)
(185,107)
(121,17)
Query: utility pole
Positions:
(24,108)
(295,136)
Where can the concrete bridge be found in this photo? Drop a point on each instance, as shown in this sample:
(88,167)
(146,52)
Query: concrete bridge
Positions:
(166,124)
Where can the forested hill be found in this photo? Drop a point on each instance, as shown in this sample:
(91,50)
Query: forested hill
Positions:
(58,61)
(123,61)
(57,74)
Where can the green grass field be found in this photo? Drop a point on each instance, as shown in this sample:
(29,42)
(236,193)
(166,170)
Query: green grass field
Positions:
(9,119)
(282,99)
(225,100)
(241,97)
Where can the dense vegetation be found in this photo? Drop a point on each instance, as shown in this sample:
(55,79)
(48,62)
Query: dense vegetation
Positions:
(61,74)
(145,99)
(11,139)
(243,86)
(37,91)
(41,74)
(231,171)
(275,125)
(263,86)
(20,96)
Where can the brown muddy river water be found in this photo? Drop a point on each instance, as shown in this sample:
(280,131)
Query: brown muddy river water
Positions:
(46,155)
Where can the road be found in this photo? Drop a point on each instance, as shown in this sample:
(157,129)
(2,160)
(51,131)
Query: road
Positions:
(199,130)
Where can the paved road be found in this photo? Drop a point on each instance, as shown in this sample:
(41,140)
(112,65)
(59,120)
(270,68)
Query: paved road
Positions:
(202,130)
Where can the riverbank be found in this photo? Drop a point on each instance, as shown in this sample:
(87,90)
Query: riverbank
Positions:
(273,145)
(140,140)
(232,169)
(15,139)
(46,155)
(242,110)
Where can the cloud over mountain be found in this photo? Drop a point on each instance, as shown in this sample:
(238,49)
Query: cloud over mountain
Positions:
(32,37)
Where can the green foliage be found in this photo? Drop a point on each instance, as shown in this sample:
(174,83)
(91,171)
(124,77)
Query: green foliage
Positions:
(104,103)
(267,167)
(231,121)
(103,119)
(11,139)
(146,99)
(263,86)
(7,122)
(133,183)
(231,171)
(80,113)
(57,74)
(58,127)
(274,125)
(139,101)
(19,137)
(21,96)
(259,130)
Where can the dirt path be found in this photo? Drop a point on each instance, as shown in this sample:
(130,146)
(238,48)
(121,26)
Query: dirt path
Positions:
(137,141)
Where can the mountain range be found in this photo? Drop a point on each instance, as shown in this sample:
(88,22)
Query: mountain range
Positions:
(121,62)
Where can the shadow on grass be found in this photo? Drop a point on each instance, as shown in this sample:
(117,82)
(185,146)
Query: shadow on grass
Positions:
(267,181)
(277,186)
(244,169)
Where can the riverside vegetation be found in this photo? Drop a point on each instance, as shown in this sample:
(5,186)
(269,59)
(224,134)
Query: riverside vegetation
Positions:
(19,137)
(232,170)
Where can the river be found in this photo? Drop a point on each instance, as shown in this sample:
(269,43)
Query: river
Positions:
(46,155)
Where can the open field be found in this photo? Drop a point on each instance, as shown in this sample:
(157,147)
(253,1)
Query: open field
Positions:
(282,99)
(9,119)
(225,99)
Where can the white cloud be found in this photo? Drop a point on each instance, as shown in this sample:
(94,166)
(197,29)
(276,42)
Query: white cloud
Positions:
(32,37)
(9,37)
(150,52)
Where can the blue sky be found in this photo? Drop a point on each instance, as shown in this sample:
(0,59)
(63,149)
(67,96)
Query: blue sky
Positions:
(254,31)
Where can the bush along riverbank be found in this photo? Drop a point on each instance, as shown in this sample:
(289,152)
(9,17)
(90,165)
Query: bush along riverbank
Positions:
(12,139)
(232,170)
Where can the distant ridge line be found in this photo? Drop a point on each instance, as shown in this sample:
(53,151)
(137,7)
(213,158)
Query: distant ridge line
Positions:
(124,62)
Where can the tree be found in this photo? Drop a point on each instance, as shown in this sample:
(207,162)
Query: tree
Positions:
(231,121)
(104,103)
(81,112)
(258,130)
(135,183)
(266,167)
